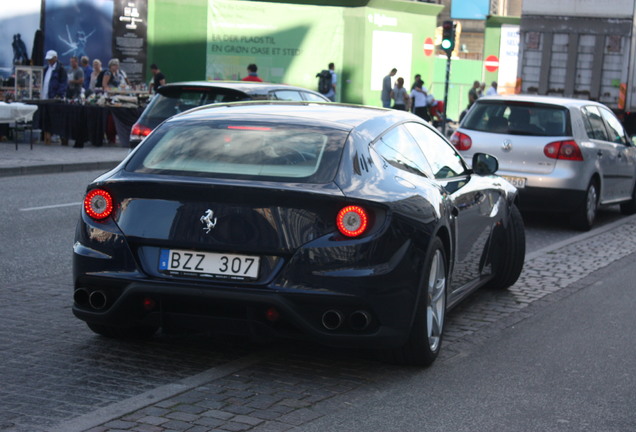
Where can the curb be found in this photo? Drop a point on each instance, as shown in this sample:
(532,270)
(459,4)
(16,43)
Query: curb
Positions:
(57,168)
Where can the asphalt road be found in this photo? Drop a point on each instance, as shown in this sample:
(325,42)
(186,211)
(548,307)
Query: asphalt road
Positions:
(54,371)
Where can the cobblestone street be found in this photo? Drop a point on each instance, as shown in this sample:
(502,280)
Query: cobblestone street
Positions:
(178,383)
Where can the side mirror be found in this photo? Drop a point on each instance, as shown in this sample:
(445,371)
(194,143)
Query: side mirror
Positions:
(485,164)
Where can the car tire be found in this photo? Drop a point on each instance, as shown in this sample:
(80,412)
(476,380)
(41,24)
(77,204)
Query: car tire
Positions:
(629,207)
(425,337)
(122,332)
(509,251)
(583,218)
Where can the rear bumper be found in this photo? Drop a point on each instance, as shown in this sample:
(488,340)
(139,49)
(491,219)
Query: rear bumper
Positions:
(550,200)
(365,322)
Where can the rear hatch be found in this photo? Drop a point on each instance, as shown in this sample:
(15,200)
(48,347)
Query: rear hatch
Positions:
(173,227)
(243,194)
(516,133)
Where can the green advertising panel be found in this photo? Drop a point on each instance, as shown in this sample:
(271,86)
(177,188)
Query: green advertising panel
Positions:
(289,43)
(400,40)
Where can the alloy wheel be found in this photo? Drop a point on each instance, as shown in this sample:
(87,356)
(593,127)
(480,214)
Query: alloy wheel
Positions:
(436,301)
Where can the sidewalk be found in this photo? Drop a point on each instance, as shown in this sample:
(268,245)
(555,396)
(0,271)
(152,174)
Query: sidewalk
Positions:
(45,159)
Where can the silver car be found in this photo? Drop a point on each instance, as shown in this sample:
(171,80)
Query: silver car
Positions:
(564,155)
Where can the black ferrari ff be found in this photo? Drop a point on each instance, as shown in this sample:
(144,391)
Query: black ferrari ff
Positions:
(349,225)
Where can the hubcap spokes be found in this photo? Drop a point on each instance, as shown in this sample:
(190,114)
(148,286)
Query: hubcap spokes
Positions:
(436,302)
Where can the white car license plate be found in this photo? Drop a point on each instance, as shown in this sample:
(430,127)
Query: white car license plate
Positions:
(518,182)
(209,264)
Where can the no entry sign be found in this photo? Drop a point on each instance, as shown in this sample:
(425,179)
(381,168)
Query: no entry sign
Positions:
(429,46)
(491,63)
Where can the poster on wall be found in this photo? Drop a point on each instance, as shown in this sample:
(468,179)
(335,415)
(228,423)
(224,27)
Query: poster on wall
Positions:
(129,37)
(18,24)
(390,50)
(508,58)
(79,28)
(288,43)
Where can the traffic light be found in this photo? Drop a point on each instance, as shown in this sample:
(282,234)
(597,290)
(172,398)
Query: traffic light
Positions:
(448,36)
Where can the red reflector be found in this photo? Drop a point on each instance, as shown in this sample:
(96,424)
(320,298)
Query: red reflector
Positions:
(352,221)
(98,204)
(256,128)
(272,314)
(149,304)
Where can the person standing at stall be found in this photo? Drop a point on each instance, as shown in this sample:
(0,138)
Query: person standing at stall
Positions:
(158,78)
(53,85)
(114,77)
(75,81)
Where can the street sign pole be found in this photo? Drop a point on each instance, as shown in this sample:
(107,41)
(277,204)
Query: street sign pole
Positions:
(448,68)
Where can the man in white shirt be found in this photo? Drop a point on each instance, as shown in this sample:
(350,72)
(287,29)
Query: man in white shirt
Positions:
(492,91)
(420,101)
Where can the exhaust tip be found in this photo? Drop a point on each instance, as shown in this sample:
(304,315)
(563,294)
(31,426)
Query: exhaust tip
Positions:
(332,319)
(360,320)
(97,299)
(80,297)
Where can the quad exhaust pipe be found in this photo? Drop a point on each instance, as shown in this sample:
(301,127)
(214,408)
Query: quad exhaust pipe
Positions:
(360,320)
(334,319)
(96,299)
(80,297)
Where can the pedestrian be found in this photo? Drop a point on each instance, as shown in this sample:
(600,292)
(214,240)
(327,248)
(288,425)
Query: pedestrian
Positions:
(55,78)
(252,73)
(88,70)
(95,82)
(386,89)
(473,94)
(400,96)
(417,82)
(54,83)
(419,100)
(492,91)
(75,80)
(158,78)
(114,77)
(481,90)
(331,95)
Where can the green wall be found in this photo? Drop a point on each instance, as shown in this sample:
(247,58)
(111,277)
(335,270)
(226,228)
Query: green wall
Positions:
(187,44)
(462,75)
(177,38)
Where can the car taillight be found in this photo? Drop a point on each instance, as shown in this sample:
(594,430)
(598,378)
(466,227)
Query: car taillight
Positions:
(98,204)
(140,131)
(564,150)
(461,141)
(352,221)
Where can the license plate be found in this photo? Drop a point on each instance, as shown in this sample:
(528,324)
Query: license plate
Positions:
(209,264)
(518,182)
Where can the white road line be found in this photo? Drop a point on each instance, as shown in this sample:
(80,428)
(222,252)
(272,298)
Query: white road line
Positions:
(51,206)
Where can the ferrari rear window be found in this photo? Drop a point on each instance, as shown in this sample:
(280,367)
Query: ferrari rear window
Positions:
(242,150)
(515,118)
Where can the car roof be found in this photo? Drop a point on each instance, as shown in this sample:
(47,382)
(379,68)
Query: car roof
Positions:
(247,87)
(552,100)
(368,120)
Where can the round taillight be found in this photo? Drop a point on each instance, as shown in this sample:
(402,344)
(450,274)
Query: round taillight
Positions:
(98,204)
(352,221)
